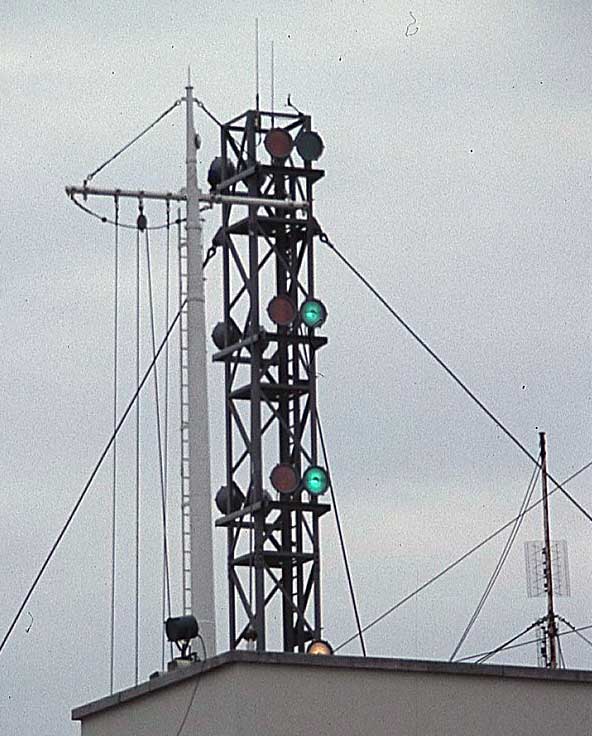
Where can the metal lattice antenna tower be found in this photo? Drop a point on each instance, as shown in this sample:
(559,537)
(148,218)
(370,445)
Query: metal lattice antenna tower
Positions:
(269,357)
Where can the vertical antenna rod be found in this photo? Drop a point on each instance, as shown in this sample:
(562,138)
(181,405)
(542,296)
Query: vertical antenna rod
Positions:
(257,64)
(202,564)
(272,81)
(551,623)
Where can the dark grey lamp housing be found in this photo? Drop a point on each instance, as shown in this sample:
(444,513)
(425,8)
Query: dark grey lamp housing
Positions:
(181,630)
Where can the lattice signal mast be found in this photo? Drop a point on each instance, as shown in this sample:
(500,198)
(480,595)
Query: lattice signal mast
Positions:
(267,342)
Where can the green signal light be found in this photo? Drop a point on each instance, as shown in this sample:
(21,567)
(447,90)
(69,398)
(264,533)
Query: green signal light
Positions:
(316,480)
(313,313)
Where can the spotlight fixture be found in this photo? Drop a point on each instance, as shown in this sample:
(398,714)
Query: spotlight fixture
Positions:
(284,478)
(319,647)
(181,630)
(278,143)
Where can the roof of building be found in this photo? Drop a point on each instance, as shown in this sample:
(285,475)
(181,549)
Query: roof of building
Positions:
(167,679)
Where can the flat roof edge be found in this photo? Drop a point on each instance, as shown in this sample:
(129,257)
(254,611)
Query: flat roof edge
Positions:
(385,664)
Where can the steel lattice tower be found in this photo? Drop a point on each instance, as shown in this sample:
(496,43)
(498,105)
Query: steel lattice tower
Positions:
(273,552)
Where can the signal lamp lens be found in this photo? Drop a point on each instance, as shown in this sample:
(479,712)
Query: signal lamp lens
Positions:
(319,646)
(278,143)
(281,310)
(316,480)
(284,478)
(224,335)
(228,505)
(313,313)
(309,145)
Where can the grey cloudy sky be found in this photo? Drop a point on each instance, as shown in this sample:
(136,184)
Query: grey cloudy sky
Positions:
(458,180)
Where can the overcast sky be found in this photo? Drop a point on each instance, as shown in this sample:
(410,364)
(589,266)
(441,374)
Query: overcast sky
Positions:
(457,180)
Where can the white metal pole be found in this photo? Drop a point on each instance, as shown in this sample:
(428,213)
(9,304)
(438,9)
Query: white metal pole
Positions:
(202,562)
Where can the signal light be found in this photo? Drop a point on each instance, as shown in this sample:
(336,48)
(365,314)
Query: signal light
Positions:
(313,313)
(284,478)
(316,480)
(278,143)
(319,646)
(220,337)
(215,171)
(309,145)
(281,310)
(237,499)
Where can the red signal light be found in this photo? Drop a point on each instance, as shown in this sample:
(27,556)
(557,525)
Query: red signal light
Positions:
(284,478)
(281,310)
(278,143)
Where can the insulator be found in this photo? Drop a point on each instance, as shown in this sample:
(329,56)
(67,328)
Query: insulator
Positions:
(142,222)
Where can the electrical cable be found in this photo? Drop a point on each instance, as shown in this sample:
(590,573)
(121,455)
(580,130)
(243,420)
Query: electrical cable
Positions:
(88,484)
(456,562)
(342,542)
(137,466)
(324,239)
(575,631)
(192,698)
(500,563)
(211,115)
(114,475)
(158,429)
(108,221)
(508,641)
(92,175)
(560,648)
(481,654)
(530,641)
(166,407)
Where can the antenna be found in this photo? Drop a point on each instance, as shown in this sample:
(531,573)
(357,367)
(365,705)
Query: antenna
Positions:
(547,573)
(257,64)
(272,81)
(551,623)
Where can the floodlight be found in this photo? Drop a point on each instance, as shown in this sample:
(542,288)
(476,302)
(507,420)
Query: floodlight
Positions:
(278,143)
(181,630)
(281,310)
(316,480)
(284,478)
(319,647)
(309,145)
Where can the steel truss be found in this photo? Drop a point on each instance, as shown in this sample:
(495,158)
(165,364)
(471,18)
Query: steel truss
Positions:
(273,555)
